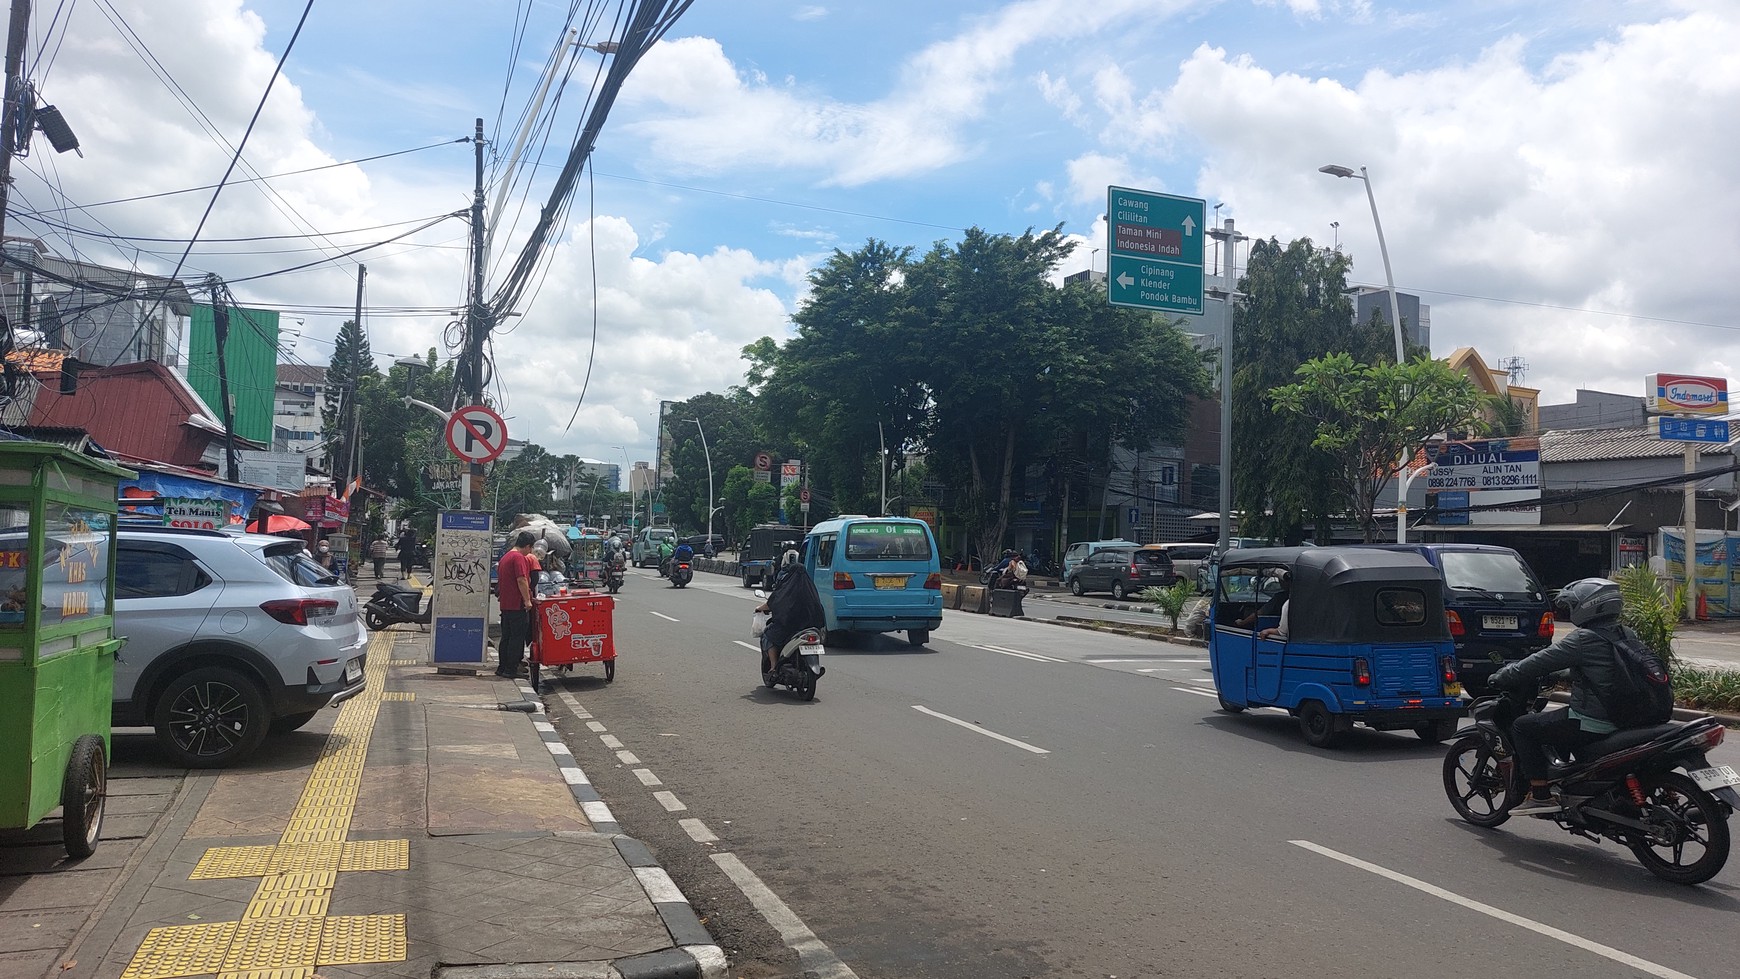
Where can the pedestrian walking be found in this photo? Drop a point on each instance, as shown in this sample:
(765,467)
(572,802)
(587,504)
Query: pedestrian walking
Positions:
(407,551)
(514,595)
(323,555)
(378,554)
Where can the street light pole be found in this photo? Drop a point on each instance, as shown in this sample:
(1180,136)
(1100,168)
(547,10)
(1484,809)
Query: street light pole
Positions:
(630,480)
(1335,170)
(709,456)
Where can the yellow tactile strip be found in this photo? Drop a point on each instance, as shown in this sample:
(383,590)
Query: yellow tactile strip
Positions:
(399,695)
(285,932)
(406,662)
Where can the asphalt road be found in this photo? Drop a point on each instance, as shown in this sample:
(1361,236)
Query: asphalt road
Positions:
(1022,799)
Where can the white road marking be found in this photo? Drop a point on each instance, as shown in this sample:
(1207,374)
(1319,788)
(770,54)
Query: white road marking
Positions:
(813,954)
(1198,679)
(670,801)
(595,727)
(747,645)
(697,831)
(1022,654)
(647,777)
(1575,941)
(662,616)
(627,758)
(611,741)
(1199,693)
(969,725)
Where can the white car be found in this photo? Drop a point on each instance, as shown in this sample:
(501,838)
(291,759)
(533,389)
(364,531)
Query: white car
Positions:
(229,637)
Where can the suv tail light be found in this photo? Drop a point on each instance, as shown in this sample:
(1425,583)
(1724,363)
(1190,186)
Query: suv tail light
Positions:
(297,611)
(1454,621)
(843,581)
(1361,672)
(1546,629)
(933,581)
(1135,570)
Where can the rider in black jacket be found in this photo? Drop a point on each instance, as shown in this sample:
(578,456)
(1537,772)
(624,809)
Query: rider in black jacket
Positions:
(1590,658)
(793,607)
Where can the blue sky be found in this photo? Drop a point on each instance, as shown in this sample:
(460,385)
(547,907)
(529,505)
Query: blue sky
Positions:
(1554,177)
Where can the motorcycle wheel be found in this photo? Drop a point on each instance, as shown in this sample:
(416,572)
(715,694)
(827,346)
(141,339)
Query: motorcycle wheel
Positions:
(1477,783)
(374,620)
(807,685)
(1690,842)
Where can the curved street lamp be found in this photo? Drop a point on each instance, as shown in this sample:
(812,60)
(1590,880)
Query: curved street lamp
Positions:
(709,456)
(1335,170)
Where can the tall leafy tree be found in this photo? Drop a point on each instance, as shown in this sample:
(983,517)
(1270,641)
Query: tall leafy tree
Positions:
(728,421)
(1367,415)
(523,484)
(1296,308)
(351,367)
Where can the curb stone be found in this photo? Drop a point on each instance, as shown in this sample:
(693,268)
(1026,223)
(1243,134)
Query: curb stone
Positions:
(1129,633)
(695,956)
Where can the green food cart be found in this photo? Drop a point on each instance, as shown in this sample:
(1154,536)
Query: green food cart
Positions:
(57,644)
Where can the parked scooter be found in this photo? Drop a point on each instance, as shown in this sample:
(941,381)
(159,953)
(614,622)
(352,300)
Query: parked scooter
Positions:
(680,573)
(1652,790)
(799,665)
(393,603)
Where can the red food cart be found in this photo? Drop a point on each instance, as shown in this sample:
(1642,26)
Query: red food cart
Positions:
(572,627)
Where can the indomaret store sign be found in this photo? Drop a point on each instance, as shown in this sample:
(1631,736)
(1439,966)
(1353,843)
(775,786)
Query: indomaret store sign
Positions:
(1503,473)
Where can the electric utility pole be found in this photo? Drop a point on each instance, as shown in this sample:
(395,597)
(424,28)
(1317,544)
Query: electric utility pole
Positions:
(17,36)
(477,314)
(220,321)
(353,461)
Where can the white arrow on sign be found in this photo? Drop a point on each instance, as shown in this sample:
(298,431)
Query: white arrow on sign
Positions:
(1125,280)
(1189,226)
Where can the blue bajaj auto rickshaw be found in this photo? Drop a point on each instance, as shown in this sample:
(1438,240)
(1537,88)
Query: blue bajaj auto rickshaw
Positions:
(1366,641)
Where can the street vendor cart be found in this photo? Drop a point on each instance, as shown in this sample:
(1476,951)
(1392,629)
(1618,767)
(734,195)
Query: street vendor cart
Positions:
(569,628)
(586,559)
(57,644)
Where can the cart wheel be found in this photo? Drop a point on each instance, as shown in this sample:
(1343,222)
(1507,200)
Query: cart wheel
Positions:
(609,670)
(81,797)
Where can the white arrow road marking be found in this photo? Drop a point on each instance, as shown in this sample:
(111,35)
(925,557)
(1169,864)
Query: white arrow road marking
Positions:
(1575,941)
(1125,280)
(976,729)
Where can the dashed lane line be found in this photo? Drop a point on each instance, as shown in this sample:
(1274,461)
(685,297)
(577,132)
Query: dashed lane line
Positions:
(662,615)
(976,729)
(697,831)
(628,757)
(647,778)
(669,800)
(611,741)
(1557,934)
(1018,653)
(1199,693)
(814,955)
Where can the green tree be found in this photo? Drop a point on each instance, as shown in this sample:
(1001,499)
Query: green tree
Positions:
(1365,416)
(341,421)
(747,502)
(523,484)
(1296,308)
(729,423)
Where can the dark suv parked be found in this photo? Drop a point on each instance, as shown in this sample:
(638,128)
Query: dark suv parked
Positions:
(1497,610)
(1121,571)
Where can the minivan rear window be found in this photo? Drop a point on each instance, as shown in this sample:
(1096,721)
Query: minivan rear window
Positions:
(1487,571)
(887,542)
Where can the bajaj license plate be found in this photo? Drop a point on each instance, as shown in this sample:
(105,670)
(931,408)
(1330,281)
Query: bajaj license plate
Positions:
(891,581)
(353,670)
(809,650)
(1715,778)
(1505,622)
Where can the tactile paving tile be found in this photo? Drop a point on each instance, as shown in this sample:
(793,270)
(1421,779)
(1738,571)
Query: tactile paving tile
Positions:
(398,695)
(356,939)
(376,855)
(222,862)
(294,972)
(182,950)
(405,662)
(274,943)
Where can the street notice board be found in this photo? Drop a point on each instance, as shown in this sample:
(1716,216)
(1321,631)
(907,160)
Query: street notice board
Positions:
(463,554)
(1154,250)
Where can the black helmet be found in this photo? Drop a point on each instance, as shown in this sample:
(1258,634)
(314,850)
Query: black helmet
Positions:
(1589,600)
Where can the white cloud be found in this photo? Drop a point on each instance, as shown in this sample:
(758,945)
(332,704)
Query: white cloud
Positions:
(809,12)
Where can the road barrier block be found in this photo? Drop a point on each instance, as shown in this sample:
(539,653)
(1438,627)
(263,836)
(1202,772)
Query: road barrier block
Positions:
(975,598)
(951,595)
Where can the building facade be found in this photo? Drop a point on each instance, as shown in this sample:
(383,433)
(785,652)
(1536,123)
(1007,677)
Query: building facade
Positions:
(298,398)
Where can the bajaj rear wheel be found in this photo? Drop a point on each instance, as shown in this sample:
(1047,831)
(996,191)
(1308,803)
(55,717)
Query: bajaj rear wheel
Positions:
(1688,843)
(1479,784)
(1318,725)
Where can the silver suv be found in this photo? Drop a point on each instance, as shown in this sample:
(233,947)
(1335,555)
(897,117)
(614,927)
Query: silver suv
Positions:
(229,636)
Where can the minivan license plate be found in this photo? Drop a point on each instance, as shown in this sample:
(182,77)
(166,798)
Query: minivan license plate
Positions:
(1715,778)
(353,670)
(1506,622)
(890,581)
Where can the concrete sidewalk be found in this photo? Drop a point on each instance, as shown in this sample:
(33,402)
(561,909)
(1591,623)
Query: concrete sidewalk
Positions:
(425,831)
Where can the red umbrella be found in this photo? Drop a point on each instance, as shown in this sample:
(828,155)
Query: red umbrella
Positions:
(278,523)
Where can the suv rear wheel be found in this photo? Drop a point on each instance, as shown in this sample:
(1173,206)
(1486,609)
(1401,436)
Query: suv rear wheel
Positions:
(210,717)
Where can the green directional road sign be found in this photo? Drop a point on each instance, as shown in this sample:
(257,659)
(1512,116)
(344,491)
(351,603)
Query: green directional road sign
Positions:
(1154,250)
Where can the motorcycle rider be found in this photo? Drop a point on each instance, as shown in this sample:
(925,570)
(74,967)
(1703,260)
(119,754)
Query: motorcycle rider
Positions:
(1591,659)
(793,606)
(665,551)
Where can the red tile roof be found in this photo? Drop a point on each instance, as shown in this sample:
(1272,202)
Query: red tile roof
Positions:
(144,410)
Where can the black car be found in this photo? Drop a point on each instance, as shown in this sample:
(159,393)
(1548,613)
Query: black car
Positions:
(1497,610)
(1121,571)
(699,542)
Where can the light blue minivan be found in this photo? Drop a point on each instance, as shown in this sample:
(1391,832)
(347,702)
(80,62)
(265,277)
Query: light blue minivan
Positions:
(877,574)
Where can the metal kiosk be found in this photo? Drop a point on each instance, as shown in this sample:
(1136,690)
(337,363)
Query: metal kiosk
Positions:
(57,644)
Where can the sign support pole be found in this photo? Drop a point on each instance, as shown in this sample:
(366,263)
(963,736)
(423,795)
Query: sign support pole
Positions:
(1690,611)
